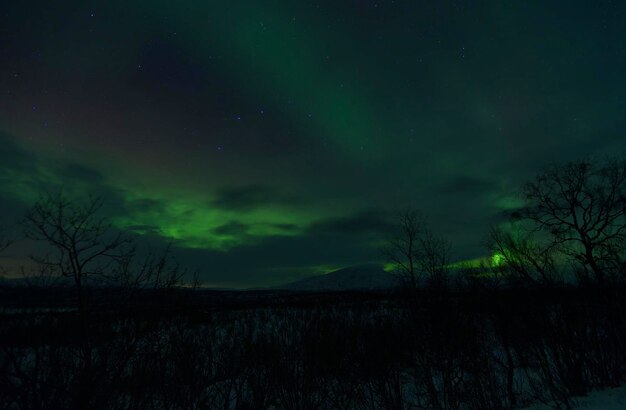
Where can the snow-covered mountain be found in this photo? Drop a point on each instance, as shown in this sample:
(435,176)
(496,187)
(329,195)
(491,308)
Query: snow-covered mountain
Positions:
(351,278)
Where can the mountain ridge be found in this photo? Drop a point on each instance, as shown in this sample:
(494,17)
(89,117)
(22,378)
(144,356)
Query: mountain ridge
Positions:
(359,277)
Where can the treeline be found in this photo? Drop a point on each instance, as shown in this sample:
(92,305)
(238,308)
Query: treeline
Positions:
(566,226)
(464,350)
(543,321)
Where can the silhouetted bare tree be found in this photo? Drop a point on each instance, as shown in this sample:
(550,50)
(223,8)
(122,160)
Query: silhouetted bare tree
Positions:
(402,249)
(416,251)
(522,260)
(434,258)
(81,242)
(4,244)
(156,271)
(581,208)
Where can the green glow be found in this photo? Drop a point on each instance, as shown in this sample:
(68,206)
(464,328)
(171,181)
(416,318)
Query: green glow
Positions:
(317,270)
(339,111)
(389,267)
(507,203)
(468,263)
(497,260)
(475,263)
(277,58)
(187,219)
(26,186)
(180,214)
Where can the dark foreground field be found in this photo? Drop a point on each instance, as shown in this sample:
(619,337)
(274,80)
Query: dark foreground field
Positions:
(193,349)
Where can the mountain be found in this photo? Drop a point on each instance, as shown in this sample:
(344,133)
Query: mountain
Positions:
(351,278)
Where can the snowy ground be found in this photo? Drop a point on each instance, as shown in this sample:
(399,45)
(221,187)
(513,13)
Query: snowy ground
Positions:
(609,399)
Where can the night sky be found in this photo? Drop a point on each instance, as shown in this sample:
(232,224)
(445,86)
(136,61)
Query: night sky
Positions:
(271,140)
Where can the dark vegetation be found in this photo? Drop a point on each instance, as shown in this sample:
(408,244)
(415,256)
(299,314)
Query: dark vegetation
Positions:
(547,322)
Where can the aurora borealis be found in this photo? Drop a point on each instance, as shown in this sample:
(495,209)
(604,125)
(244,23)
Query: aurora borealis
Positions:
(271,140)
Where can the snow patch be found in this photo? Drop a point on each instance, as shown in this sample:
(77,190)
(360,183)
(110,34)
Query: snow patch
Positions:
(607,399)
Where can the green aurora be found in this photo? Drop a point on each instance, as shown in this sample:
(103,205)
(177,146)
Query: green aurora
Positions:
(269,141)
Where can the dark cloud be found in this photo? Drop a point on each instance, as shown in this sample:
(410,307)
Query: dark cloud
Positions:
(469,185)
(143,204)
(14,157)
(251,197)
(82,173)
(286,227)
(232,229)
(35,172)
(144,229)
(275,260)
(364,223)
(26,175)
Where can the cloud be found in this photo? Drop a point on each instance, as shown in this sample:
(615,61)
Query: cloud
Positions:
(279,259)
(26,174)
(232,229)
(365,222)
(465,184)
(251,197)
(13,156)
(78,172)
